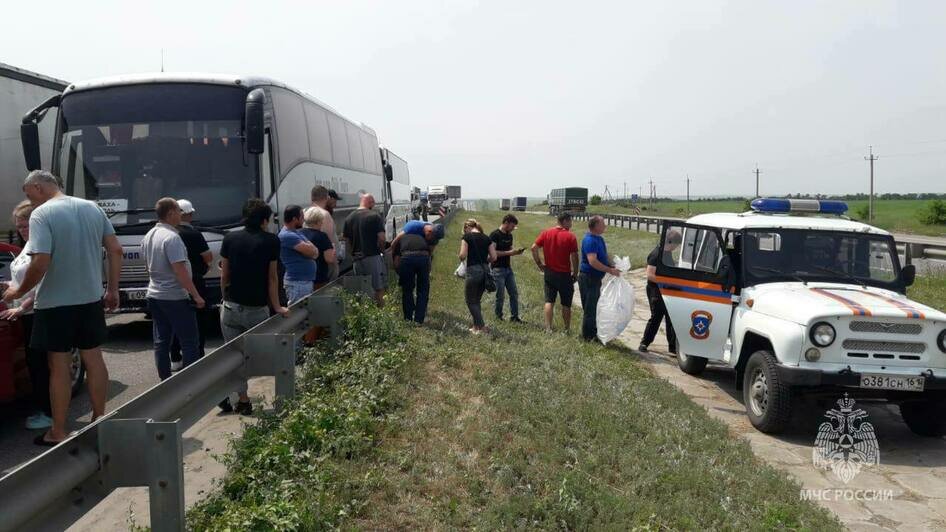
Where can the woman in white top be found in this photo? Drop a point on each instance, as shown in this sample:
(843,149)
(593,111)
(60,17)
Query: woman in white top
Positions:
(22,310)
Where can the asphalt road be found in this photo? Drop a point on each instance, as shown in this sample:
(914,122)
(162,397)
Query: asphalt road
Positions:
(130,360)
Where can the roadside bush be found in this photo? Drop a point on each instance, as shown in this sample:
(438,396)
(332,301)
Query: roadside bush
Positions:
(862,212)
(934,213)
(289,471)
(595,200)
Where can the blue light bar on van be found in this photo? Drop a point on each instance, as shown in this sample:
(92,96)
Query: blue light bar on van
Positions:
(775,205)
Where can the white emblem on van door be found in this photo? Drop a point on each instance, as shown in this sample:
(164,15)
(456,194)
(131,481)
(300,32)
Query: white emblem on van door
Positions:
(846,443)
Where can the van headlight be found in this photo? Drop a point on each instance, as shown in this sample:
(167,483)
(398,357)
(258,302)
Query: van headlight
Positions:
(941,341)
(822,334)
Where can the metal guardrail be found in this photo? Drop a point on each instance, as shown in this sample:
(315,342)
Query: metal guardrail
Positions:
(139,443)
(910,247)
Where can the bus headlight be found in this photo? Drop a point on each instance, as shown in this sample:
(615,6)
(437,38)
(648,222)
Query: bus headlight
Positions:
(941,341)
(822,334)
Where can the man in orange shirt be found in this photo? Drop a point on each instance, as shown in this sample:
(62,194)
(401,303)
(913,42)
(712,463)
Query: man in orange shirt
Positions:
(560,248)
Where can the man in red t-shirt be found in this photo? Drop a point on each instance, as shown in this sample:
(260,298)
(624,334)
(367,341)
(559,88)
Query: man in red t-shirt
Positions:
(560,248)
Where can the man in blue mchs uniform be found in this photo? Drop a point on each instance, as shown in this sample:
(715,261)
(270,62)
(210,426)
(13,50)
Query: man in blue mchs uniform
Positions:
(431,232)
(594,264)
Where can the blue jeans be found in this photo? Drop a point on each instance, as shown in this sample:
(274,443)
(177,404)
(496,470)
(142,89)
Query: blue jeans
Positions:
(172,318)
(589,288)
(414,273)
(236,319)
(296,290)
(505,281)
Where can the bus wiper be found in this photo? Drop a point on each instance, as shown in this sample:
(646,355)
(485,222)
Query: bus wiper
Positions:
(779,272)
(130,211)
(840,273)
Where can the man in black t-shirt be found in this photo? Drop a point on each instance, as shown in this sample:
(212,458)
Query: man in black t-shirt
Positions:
(658,312)
(249,281)
(364,235)
(501,270)
(199,256)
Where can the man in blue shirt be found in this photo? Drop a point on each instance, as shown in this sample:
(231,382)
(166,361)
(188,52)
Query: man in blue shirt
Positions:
(297,255)
(431,232)
(594,264)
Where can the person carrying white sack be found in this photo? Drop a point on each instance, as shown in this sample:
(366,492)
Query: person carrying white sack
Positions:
(594,265)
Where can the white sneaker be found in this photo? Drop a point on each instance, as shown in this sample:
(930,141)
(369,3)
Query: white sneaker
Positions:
(177,366)
(38,421)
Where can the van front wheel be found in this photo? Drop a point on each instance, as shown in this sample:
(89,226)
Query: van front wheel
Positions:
(925,418)
(690,364)
(768,400)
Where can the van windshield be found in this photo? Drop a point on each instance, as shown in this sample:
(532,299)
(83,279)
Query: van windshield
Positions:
(791,254)
(126,147)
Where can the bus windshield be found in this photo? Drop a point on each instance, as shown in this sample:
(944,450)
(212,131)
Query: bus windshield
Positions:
(128,146)
(843,257)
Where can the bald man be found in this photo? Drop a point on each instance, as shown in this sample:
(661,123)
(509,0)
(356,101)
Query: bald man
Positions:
(364,236)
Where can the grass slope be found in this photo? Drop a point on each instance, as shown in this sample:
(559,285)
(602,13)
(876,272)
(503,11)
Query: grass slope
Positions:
(523,429)
(897,216)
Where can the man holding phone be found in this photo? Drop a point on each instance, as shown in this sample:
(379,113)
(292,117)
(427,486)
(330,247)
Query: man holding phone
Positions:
(502,269)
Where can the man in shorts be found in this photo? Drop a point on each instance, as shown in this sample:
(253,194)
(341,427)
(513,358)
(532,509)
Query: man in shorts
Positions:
(67,235)
(364,235)
(560,248)
(324,200)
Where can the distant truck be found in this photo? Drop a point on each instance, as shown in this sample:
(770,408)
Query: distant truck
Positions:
(453,192)
(436,196)
(519,203)
(21,91)
(504,204)
(570,200)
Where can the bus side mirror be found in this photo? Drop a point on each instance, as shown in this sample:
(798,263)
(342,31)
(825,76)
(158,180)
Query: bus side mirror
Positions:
(253,116)
(908,274)
(29,135)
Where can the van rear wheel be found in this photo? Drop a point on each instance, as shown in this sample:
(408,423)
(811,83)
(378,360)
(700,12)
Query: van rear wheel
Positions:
(768,400)
(690,364)
(925,418)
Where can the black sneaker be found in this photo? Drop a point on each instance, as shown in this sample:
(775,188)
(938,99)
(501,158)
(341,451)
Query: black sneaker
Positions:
(244,408)
(225,406)
(515,319)
(642,348)
(499,317)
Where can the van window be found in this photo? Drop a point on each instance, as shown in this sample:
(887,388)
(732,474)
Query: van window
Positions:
(699,250)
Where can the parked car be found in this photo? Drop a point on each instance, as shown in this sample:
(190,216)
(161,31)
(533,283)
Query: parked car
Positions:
(14,377)
(803,306)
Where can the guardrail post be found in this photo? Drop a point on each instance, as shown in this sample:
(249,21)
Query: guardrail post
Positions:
(358,284)
(144,452)
(326,310)
(272,354)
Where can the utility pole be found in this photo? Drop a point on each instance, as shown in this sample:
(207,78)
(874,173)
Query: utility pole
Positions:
(651,182)
(870,199)
(757,172)
(688,195)
(625,191)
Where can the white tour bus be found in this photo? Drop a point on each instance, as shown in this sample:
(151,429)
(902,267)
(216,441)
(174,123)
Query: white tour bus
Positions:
(215,140)
(399,192)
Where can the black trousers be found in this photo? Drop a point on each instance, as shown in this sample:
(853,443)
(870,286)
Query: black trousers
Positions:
(658,313)
(589,288)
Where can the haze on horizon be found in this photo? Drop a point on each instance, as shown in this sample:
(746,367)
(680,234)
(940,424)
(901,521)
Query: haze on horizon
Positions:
(514,98)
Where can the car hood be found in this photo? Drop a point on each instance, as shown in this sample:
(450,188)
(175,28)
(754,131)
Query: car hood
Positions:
(801,303)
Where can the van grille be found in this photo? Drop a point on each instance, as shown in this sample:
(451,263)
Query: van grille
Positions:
(884,346)
(129,270)
(886,327)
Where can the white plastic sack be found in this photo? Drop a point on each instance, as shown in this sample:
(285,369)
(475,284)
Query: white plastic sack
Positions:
(615,307)
(461,270)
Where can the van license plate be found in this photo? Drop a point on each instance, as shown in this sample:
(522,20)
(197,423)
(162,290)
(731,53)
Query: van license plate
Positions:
(136,295)
(892,382)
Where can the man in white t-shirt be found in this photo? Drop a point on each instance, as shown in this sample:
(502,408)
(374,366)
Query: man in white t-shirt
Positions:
(169,284)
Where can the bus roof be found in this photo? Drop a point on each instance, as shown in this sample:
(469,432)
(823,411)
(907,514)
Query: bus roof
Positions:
(249,82)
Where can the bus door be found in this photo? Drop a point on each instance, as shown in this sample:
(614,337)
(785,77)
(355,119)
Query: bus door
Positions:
(691,277)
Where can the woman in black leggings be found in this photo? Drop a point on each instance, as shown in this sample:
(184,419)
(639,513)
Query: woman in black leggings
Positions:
(478,251)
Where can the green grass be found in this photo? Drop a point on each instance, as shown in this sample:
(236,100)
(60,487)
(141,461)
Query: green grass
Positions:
(897,216)
(523,429)
(929,290)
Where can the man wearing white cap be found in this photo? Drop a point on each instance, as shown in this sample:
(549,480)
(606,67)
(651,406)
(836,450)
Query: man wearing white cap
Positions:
(200,256)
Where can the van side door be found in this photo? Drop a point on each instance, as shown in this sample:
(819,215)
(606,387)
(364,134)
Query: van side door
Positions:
(691,279)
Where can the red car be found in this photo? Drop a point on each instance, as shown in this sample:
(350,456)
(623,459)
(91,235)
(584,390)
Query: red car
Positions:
(14,377)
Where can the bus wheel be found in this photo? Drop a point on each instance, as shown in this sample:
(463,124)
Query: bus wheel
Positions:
(768,400)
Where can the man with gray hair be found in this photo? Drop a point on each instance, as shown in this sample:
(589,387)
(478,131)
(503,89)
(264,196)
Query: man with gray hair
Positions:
(594,264)
(67,235)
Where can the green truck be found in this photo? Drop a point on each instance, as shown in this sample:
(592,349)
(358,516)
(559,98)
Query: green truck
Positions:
(570,200)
